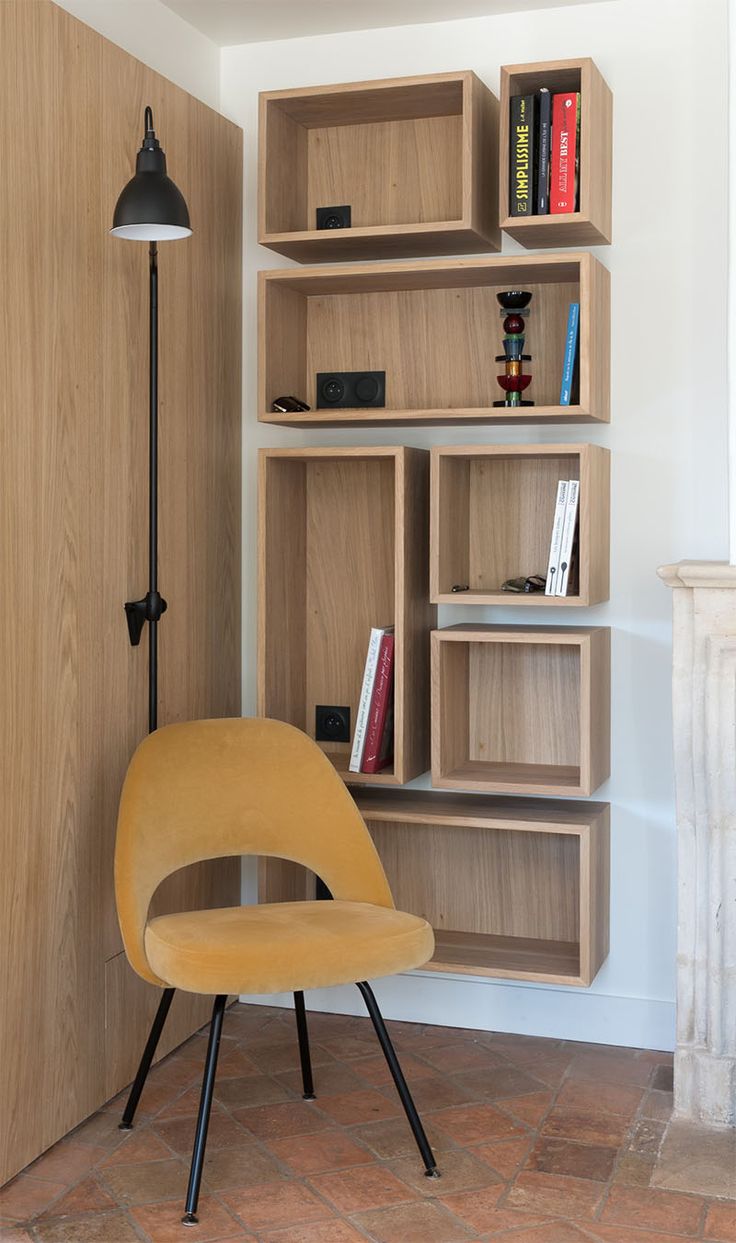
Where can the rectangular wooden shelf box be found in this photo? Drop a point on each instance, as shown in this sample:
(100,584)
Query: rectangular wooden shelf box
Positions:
(435,328)
(591,224)
(514,888)
(491,513)
(521,710)
(343,546)
(416,159)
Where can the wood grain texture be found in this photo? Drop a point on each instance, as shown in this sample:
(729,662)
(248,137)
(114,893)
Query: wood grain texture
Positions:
(591,224)
(432,326)
(492,514)
(343,547)
(416,159)
(394,172)
(73,477)
(521,710)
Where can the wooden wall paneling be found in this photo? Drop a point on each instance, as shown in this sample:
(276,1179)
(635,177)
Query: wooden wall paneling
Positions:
(51,975)
(73,487)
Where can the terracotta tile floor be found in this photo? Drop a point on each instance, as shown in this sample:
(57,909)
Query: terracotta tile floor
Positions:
(539,1141)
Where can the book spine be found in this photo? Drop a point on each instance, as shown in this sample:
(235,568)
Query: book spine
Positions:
(564,153)
(364,703)
(568,536)
(379,706)
(544,126)
(568,358)
(554,544)
(522,150)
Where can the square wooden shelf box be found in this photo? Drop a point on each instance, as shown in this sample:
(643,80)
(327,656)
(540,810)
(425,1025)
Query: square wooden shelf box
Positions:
(416,159)
(591,224)
(344,546)
(516,888)
(491,513)
(521,710)
(435,328)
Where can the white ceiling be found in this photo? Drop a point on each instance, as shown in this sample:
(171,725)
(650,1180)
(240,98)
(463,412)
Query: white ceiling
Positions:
(228,22)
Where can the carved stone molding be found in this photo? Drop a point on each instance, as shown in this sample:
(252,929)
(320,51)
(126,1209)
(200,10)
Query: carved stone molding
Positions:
(704,709)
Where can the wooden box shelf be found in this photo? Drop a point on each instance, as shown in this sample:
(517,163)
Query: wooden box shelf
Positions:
(491,510)
(591,224)
(434,327)
(521,710)
(343,546)
(514,888)
(415,158)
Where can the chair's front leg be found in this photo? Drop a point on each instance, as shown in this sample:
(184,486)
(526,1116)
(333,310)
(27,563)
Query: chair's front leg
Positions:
(303,1036)
(415,1122)
(148,1054)
(203,1118)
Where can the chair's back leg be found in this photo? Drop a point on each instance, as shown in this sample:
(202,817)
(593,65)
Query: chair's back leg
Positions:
(415,1122)
(148,1054)
(203,1118)
(303,1036)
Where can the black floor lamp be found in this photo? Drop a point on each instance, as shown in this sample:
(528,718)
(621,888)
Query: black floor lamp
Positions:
(151,209)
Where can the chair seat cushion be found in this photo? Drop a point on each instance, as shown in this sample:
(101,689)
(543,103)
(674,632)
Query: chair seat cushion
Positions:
(284,946)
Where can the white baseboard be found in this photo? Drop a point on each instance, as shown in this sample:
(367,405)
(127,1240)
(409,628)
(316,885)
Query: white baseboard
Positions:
(493,1005)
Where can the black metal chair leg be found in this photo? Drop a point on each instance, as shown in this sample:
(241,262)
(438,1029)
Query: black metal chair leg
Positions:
(203,1118)
(303,1034)
(148,1055)
(415,1122)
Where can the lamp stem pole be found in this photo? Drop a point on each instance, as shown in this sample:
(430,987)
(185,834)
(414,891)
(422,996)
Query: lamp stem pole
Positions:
(153,486)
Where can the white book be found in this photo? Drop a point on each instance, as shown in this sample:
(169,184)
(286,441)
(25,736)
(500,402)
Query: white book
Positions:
(568,536)
(556,539)
(364,703)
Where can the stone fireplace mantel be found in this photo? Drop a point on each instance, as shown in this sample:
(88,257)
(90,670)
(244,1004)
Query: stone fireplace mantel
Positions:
(704,709)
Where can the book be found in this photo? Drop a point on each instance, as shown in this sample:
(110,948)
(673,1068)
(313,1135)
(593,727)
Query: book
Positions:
(375,755)
(364,703)
(568,537)
(570,355)
(556,538)
(522,151)
(544,129)
(564,152)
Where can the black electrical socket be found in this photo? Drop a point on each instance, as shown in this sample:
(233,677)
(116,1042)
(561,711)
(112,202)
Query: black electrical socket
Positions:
(334,217)
(331,724)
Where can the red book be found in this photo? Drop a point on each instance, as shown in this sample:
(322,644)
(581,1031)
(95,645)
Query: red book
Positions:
(564,153)
(374,758)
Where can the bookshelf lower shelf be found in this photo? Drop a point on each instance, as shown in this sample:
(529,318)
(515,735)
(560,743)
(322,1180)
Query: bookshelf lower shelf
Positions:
(448,415)
(507,957)
(509,778)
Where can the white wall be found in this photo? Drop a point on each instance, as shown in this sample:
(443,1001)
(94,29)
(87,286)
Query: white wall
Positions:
(668,436)
(160,38)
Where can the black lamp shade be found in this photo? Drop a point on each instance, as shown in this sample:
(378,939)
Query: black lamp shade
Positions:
(151,207)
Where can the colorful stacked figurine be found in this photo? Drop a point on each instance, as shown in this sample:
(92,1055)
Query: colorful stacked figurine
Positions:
(514,303)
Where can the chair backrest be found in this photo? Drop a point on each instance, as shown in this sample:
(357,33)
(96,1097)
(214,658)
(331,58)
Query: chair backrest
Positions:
(208,789)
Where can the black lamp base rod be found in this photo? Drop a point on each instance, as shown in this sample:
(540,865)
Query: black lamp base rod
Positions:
(152,606)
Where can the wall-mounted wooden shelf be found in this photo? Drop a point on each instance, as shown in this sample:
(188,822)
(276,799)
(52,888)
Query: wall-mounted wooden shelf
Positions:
(415,158)
(435,328)
(514,888)
(591,225)
(521,710)
(343,546)
(491,511)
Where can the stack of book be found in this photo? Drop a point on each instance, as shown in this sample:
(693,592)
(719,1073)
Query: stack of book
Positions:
(562,565)
(544,146)
(373,740)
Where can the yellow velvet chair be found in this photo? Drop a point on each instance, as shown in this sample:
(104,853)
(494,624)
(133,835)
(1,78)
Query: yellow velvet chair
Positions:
(209,789)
